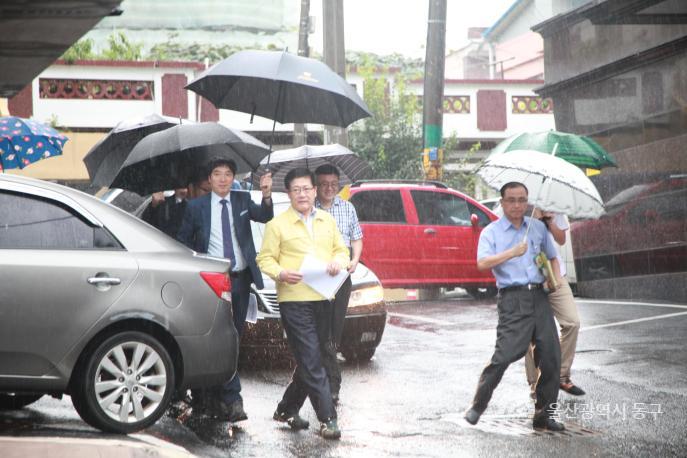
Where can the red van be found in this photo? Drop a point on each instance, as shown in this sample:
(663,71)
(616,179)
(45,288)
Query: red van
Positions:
(422,235)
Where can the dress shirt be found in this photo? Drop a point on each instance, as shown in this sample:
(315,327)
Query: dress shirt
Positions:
(308,220)
(501,235)
(216,245)
(346,219)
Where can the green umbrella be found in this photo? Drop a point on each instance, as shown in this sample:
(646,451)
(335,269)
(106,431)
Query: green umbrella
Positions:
(576,149)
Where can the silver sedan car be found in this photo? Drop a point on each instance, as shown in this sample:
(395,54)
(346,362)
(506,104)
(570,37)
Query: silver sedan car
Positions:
(96,304)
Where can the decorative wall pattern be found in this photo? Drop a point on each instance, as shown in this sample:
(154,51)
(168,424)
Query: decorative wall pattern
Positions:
(51,88)
(453,104)
(531,104)
(457,104)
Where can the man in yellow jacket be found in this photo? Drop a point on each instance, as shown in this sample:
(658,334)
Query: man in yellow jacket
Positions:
(305,314)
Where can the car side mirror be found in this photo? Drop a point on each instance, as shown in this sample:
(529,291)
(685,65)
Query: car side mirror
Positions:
(474,220)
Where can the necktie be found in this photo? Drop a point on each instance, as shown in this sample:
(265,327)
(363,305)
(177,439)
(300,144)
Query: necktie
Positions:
(226,234)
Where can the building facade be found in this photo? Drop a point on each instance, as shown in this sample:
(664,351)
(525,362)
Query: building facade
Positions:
(618,73)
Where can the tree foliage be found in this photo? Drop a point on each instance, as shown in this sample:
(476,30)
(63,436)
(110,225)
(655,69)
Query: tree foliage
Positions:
(121,48)
(464,179)
(390,140)
(197,52)
(81,50)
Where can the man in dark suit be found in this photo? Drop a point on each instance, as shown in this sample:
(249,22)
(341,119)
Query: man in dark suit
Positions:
(218,224)
(166,213)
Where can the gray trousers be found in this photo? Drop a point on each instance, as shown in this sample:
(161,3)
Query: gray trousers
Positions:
(524,317)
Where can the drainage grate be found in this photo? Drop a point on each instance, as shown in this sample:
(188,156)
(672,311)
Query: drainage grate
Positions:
(520,426)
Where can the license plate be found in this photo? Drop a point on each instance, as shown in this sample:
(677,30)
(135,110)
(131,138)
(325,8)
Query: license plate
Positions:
(368,337)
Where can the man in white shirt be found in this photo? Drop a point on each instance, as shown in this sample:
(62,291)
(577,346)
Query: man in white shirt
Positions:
(218,224)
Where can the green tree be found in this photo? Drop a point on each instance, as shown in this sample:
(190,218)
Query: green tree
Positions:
(464,180)
(120,48)
(196,52)
(81,50)
(390,140)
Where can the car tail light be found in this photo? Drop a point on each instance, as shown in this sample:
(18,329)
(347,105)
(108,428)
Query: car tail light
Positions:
(219,283)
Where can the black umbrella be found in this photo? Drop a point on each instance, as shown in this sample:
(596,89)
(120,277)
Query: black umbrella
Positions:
(107,156)
(351,166)
(170,158)
(282,87)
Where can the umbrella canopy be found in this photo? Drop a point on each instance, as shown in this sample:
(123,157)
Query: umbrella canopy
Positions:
(553,184)
(25,141)
(107,156)
(281,86)
(576,149)
(351,166)
(169,159)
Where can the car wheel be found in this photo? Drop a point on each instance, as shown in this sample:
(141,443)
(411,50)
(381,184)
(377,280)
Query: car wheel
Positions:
(359,355)
(125,384)
(11,401)
(482,293)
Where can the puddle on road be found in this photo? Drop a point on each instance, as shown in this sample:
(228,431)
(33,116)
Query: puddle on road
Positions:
(516,426)
(407,323)
(595,350)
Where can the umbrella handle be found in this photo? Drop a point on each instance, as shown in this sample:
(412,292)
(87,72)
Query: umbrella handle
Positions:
(274,123)
(553,153)
(527,231)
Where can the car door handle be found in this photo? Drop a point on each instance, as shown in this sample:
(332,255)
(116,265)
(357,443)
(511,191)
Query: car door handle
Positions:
(430,231)
(106,280)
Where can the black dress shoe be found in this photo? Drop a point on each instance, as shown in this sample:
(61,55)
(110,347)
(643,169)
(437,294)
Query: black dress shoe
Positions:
(228,412)
(236,412)
(472,416)
(294,421)
(547,424)
(571,388)
(330,429)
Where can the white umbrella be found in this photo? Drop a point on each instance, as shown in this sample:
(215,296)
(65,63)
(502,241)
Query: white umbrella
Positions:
(553,183)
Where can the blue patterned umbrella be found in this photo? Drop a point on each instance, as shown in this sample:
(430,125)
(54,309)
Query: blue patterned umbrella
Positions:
(25,141)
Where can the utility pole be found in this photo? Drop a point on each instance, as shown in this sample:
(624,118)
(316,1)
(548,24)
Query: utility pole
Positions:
(433,92)
(300,131)
(334,56)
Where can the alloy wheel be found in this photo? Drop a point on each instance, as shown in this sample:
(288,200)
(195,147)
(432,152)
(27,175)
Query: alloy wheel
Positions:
(130,382)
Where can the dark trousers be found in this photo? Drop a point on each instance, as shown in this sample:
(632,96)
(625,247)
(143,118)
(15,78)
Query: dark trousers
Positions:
(240,295)
(230,390)
(308,331)
(339,307)
(524,317)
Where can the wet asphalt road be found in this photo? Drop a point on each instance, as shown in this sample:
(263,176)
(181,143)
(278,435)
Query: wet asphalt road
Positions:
(409,400)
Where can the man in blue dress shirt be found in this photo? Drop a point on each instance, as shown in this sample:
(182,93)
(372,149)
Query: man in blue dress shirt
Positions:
(218,224)
(508,247)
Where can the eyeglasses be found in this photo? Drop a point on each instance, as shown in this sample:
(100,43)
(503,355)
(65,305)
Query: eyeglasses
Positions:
(513,201)
(304,189)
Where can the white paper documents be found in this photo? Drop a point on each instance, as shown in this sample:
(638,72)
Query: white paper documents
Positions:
(315,276)
(252,312)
